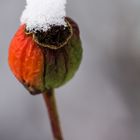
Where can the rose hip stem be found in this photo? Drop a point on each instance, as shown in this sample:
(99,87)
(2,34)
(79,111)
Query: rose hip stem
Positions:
(53,114)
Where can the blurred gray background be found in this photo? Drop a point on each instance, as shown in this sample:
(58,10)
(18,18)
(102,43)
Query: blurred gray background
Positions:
(102,102)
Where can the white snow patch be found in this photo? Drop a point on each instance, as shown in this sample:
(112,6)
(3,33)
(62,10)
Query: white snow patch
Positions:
(41,14)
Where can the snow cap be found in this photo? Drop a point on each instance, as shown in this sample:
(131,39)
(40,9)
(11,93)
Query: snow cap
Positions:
(41,14)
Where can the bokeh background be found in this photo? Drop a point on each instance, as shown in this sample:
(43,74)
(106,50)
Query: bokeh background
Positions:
(102,102)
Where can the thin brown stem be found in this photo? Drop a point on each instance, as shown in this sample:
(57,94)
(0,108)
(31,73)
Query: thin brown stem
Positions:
(53,114)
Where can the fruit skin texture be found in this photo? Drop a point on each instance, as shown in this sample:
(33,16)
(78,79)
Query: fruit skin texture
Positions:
(39,68)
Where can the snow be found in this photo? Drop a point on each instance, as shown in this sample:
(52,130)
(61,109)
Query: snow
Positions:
(41,14)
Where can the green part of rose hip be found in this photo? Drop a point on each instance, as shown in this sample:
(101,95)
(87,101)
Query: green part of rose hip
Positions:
(62,65)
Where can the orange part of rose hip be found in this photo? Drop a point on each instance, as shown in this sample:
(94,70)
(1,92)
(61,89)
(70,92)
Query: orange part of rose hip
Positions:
(26,60)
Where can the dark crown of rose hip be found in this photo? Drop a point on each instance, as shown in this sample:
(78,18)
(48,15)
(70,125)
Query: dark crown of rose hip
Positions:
(45,60)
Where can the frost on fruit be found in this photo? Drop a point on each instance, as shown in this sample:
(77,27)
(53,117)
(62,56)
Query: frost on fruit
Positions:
(46,51)
(40,14)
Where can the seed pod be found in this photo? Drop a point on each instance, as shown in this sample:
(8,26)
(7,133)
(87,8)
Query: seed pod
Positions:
(45,60)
